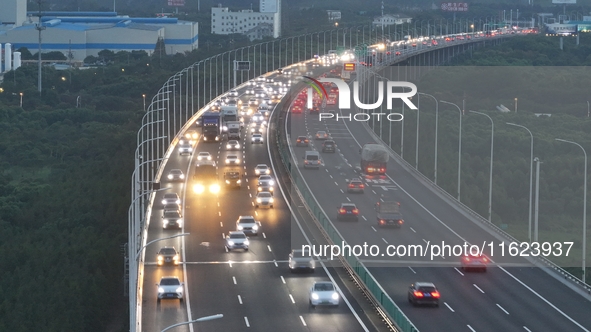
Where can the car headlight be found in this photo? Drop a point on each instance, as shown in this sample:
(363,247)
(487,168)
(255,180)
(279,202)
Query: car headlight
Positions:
(170,176)
(160,257)
(268,172)
(228,146)
(182,176)
(255,227)
(164,202)
(314,296)
(227,181)
(257,172)
(239,227)
(198,188)
(178,201)
(214,189)
(335,296)
(237,146)
(175,258)
(179,290)
(231,243)
(271,200)
(160,290)
(227,161)
(180,222)
(246,242)
(271,182)
(258,200)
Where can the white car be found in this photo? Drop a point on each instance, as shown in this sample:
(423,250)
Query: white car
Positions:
(264,199)
(253,102)
(237,240)
(256,138)
(323,293)
(233,145)
(171,198)
(258,117)
(185,149)
(170,288)
(233,93)
(172,218)
(232,159)
(175,175)
(192,136)
(203,156)
(267,178)
(248,225)
(262,169)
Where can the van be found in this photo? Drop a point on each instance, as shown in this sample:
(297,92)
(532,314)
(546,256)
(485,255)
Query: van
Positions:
(312,159)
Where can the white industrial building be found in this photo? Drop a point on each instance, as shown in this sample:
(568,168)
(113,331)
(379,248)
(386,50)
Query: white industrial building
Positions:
(255,25)
(80,34)
(389,19)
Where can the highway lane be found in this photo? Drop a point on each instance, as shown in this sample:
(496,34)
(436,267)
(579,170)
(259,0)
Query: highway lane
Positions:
(256,289)
(524,309)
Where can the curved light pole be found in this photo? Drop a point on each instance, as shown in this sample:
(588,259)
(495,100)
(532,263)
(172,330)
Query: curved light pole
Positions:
(584,203)
(202,319)
(531,175)
(436,129)
(459,145)
(492,141)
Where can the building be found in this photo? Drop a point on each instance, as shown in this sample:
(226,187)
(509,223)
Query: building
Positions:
(81,34)
(334,15)
(390,19)
(248,22)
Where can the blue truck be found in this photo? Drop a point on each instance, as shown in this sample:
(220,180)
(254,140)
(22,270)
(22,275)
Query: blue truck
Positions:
(211,126)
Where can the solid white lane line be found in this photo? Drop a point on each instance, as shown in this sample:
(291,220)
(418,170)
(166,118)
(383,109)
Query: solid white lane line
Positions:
(292,300)
(505,311)
(239,299)
(448,307)
(303,321)
(234,278)
(478,288)
(246,321)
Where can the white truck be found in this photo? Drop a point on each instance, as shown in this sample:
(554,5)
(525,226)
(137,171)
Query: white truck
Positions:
(228,113)
(233,130)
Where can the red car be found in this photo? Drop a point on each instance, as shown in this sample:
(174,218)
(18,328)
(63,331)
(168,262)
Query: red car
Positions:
(434,42)
(474,262)
(398,53)
(296,109)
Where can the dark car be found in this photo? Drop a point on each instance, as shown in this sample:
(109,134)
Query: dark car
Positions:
(302,141)
(355,186)
(474,262)
(329,146)
(423,293)
(347,211)
(167,255)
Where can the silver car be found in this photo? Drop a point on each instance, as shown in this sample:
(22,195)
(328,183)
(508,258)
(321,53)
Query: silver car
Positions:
(248,225)
(232,159)
(171,198)
(264,199)
(256,138)
(301,260)
(262,169)
(170,288)
(176,175)
(323,293)
(233,145)
(237,240)
(172,218)
(185,149)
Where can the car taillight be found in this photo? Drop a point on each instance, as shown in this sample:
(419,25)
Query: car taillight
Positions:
(484,259)
(418,294)
(400,222)
(382,221)
(435,294)
(361,186)
(467,259)
(351,186)
(306,141)
(355,211)
(343,211)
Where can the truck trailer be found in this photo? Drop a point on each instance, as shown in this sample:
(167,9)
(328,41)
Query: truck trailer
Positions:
(374,158)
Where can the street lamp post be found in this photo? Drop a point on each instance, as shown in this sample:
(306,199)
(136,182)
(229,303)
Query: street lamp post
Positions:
(584,203)
(587,108)
(144,97)
(202,319)
(492,141)
(459,146)
(531,168)
(417,143)
(515,104)
(436,125)
(21,94)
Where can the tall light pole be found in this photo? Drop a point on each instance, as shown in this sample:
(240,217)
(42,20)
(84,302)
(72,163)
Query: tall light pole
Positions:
(584,202)
(21,94)
(144,97)
(436,125)
(587,108)
(492,141)
(39,27)
(515,104)
(417,143)
(531,168)
(202,319)
(459,146)
(536,212)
